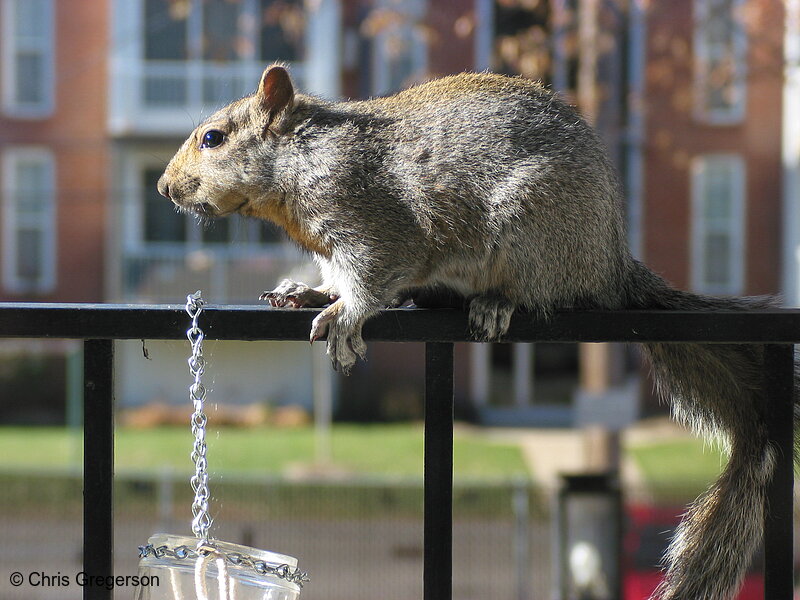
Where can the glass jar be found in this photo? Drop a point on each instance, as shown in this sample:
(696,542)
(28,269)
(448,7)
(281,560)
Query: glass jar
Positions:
(172,568)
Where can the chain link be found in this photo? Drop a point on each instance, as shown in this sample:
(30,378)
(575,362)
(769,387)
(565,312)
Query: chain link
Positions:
(201,522)
(282,571)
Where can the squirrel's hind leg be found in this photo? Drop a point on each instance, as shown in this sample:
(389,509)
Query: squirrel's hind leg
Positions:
(489,316)
(343,329)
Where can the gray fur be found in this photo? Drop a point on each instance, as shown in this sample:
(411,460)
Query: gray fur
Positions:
(492,188)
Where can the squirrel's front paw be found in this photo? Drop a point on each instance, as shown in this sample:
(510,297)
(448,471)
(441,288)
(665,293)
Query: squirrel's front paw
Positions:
(345,343)
(296,295)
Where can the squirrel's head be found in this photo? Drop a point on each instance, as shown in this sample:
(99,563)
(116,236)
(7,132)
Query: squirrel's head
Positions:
(226,163)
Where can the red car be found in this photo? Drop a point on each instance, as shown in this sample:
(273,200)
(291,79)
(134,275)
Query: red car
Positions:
(648,531)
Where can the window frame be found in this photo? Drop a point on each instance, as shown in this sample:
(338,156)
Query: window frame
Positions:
(196,21)
(736,227)
(13,222)
(198,80)
(12,46)
(135,165)
(703,89)
(414,11)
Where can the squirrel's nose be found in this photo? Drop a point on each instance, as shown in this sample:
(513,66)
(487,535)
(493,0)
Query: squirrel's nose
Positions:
(163,187)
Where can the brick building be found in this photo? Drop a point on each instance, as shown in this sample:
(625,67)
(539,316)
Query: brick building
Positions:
(712,156)
(96,96)
(54,150)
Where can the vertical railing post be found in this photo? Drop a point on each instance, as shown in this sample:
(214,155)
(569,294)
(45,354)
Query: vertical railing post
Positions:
(438,477)
(98,465)
(778,512)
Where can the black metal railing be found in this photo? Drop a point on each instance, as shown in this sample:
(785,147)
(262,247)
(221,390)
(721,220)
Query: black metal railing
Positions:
(99,325)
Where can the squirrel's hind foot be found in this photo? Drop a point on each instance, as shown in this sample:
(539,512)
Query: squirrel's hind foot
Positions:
(345,343)
(489,316)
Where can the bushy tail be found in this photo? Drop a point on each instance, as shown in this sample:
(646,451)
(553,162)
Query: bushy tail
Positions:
(718,390)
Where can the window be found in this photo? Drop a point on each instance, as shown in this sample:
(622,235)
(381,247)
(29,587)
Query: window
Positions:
(29,231)
(160,251)
(718,193)
(28,48)
(720,56)
(189,45)
(221,30)
(163,224)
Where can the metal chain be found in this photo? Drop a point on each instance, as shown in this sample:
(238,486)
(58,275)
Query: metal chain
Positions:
(201,521)
(282,571)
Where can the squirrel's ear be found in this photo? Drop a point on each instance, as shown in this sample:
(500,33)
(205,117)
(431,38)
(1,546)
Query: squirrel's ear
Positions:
(275,92)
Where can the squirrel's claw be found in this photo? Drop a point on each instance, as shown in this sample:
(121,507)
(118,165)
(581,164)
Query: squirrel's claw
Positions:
(294,294)
(345,343)
(319,327)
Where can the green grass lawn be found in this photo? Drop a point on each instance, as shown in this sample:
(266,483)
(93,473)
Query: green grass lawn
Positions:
(371,450)
(390,450)
(38,466)
(684,463)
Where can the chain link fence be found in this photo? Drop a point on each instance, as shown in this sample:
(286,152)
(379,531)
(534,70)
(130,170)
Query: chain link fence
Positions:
(358,539)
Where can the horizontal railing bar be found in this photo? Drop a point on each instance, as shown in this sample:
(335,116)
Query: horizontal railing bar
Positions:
(124,321)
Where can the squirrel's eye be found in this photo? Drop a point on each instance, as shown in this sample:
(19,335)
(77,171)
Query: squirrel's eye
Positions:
(212,138)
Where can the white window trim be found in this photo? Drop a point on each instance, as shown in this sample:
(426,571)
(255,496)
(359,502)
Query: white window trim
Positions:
(8,81)
(736,113)
(484,34)
(791,156)
(415,11)
(737,229)
(321,67)
(11,282)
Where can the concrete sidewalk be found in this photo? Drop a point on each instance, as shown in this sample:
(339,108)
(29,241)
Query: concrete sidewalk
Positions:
(552,452)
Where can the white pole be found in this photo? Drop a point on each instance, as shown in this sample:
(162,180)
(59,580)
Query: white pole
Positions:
(323,48)
(480,357)
(791,155)
(523,379)
(322,392)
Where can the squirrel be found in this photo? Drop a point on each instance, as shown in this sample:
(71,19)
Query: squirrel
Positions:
(491,188)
